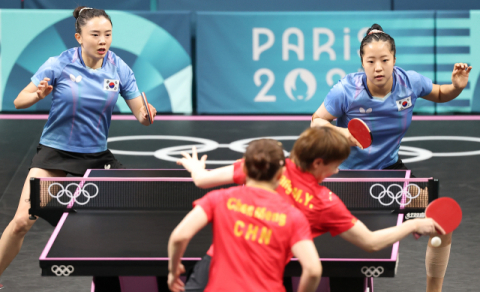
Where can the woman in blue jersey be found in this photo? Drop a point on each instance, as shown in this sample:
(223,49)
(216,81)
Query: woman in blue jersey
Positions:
(85,82)
(383,96)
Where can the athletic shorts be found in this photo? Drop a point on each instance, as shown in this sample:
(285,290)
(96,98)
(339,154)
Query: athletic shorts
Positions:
(198,278)
(73,163)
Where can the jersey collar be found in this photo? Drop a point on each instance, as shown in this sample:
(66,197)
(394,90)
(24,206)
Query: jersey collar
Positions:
(83,63)
(364,80)
(305,174)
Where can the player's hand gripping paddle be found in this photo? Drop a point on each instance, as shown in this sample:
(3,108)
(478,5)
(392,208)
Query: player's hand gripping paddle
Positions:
(145,103)
(361,132)
(446,212)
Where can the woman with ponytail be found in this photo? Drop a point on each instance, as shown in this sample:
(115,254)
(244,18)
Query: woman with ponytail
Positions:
(254,231)
(85,82)
(383,96)
(316,155)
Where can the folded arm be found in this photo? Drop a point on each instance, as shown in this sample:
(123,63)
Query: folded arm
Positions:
(322,118)
(139,111)
(446,92)
(32,94)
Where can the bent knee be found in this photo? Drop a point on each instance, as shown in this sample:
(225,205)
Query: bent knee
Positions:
(22,224)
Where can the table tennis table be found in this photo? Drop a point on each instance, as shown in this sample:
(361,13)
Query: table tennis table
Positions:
(132,243)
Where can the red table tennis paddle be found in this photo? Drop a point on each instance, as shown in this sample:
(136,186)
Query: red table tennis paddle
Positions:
(145,103)
(446,212)
(361,132)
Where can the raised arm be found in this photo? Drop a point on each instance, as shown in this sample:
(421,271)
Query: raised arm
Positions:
(177,244)
(205,178)
(139,110)
(371,241)
(308,257)
(32,94)
(322,118)
(447,92)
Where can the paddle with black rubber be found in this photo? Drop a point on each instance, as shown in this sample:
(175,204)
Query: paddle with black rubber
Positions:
(360,132)
(147,107)
(447,213)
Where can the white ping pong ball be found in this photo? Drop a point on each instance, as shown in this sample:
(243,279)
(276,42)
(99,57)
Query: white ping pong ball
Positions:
(436,241)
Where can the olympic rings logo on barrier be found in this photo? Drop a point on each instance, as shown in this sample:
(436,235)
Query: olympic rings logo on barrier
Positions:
(395,197)
(372,271)
(79,190)
(62,270)
(205,145)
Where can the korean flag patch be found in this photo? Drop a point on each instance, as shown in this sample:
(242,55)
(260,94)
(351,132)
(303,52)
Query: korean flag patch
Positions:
(111,85)
(404,103)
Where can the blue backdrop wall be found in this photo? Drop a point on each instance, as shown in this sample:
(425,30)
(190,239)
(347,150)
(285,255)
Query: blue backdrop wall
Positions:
(250,5)
(103,4)
(435,5)
(247,62)
(288,62)
(156,45)
(273,5)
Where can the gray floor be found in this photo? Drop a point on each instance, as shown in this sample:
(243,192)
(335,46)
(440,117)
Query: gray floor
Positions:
(458,177)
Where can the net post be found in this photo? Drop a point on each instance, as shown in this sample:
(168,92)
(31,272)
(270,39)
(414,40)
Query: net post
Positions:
(34,197)
(433,189)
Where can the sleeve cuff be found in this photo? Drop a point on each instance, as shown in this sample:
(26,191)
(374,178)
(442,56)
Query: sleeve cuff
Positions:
(344,228)
(35,81)
(130,95)
(330,110)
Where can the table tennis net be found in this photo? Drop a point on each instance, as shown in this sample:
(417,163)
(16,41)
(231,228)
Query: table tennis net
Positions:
(179,193)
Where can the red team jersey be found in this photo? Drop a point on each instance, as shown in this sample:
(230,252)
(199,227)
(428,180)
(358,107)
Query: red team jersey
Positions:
(324,210)
(253,234)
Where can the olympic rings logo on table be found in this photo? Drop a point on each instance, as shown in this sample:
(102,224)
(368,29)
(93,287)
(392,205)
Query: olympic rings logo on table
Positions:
(395,197)
(79,190)
(372,271)
(62,270)
(205,145)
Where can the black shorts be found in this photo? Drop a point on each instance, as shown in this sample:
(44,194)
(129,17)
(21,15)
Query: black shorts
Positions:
(198,279)
(399,166)
(73,163)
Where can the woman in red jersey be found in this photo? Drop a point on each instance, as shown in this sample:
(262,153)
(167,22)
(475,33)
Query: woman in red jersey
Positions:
(315,156)
(254,233)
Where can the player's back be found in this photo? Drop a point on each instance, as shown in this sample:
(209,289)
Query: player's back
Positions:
(323,209)
(254,230)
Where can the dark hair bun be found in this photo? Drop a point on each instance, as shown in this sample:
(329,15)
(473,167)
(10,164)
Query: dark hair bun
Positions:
(263,158)
(378,35)
(76,12)
(374,26)
(83,14)
(260,161)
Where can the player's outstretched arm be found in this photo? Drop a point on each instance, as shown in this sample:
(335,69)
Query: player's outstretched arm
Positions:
(322,118)
(139,110)
(308,257)
(205,178)
(32,94)
(447,92)
(371,241)
(177,244)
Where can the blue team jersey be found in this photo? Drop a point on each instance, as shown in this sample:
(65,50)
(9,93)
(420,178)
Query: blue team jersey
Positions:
(388,118)
(83,100)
